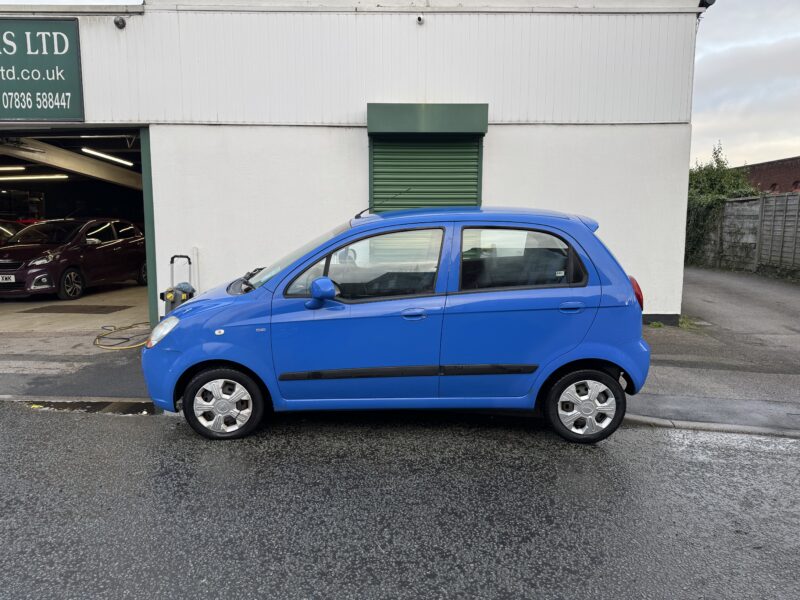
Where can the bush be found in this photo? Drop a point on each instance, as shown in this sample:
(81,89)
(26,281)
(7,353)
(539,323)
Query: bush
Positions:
(710,185)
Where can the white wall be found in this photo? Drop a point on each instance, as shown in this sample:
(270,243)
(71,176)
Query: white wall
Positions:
(245,195)
(322,68)
(631,178)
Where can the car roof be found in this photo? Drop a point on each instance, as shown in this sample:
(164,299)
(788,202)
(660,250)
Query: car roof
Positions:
(470,213)
(65,220)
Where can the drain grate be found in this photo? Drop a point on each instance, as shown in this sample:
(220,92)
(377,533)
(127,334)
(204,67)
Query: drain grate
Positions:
(77,309)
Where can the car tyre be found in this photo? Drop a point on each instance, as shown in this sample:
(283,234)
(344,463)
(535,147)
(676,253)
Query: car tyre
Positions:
(141,277)
(585,406)
(223,404)
(71,285)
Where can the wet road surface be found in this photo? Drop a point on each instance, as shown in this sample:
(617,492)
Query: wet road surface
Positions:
(390,505)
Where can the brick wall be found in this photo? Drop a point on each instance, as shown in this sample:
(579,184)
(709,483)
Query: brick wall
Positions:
(775,177)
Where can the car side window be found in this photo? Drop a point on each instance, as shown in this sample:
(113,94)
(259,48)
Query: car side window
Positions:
(301,286)
(125,230)
(507,258)
(403,263)
(103,232)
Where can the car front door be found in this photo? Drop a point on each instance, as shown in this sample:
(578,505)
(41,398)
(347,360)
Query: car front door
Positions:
(100,251)
(518,297)
(377,342)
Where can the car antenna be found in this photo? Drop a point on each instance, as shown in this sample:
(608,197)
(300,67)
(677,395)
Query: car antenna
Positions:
(358,216)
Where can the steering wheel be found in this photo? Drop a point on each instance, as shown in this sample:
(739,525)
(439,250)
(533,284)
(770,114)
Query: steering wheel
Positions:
(348,256)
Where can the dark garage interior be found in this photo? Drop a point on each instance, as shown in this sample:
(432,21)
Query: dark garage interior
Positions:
(92,178)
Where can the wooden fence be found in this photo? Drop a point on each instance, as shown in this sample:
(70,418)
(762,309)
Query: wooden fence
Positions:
(756,234)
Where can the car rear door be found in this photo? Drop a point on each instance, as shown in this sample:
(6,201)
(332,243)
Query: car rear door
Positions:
(518,296)
(100,258)
(131,254)
(377,343)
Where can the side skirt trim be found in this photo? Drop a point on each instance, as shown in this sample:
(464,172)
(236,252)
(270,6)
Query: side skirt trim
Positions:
(413,371)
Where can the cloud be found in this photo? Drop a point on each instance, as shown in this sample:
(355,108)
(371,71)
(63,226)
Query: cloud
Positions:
(747,81)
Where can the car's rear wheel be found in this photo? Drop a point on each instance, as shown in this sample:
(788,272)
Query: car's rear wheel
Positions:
(72,285)
(222,403)
(585,406)
(141,277)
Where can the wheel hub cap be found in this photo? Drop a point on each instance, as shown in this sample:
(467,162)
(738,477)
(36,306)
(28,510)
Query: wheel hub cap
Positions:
(587,407)
(223,405)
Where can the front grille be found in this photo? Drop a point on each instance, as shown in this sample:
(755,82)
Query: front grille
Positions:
(10,265)
(8,287)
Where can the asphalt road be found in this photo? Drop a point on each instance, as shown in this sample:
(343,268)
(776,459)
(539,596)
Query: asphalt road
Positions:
(391,505)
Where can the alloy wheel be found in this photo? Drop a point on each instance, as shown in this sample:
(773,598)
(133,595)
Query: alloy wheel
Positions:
(73,284)
(586,407)
(223,405)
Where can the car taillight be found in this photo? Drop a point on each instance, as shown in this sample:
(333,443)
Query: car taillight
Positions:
(637,292)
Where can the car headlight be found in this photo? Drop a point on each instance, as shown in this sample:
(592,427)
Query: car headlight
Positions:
(161,330)
(42,260)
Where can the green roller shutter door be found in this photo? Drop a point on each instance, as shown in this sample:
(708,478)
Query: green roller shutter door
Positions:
(425,172)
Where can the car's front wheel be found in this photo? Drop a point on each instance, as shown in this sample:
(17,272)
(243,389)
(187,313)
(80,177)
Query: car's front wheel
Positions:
(222,403)
(71,285)
(585,406)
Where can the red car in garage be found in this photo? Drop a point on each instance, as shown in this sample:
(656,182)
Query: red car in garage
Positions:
(66,256)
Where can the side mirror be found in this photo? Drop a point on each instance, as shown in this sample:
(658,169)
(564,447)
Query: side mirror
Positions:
(92,242)
(322,288)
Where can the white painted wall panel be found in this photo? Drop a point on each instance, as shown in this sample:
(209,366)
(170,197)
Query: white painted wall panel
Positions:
(631,178)
(246,195)
(322,68)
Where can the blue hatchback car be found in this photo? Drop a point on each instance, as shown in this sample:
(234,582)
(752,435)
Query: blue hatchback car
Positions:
(455,308)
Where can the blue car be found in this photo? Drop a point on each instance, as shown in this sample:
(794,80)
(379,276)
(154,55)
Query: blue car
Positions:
(458,308)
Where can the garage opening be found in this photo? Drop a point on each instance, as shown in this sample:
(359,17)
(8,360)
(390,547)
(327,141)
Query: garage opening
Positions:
(425,155)
(73,251)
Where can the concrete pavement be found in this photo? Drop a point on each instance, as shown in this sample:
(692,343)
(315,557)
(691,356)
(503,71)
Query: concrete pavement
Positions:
(47,352)
(737,363)
(391,505)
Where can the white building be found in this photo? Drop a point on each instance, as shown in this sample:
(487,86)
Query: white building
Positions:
(259,136)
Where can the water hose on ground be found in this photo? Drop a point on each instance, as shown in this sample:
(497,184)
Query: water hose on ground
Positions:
(121,340)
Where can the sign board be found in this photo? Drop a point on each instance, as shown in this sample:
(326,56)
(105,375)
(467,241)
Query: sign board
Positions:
(40,70)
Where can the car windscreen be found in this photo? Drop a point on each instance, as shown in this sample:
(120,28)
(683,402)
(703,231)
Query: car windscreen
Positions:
(264,275)
(8,229)
(46,233)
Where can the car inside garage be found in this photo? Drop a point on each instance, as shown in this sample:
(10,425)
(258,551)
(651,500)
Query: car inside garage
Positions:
(72,243)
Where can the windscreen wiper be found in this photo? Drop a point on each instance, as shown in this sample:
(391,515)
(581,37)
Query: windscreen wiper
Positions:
(245,279)
(249,274)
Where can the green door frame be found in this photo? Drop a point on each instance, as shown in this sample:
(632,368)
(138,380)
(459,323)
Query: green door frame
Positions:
(149,226)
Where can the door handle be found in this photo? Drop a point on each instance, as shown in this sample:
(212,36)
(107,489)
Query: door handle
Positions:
(413,314)
(571,307)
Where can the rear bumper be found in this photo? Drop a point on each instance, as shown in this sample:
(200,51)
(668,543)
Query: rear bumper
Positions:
(639,365)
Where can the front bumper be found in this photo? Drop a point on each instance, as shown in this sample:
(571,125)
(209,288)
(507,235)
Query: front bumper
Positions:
(162,369)
(28,281)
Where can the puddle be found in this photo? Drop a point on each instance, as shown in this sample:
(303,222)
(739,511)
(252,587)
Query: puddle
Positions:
(111,408)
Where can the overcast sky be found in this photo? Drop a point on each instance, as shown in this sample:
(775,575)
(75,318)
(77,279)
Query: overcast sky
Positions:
(747,81)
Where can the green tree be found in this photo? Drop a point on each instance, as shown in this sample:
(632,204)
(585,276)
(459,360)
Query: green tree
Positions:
(715,178)
(710,184)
